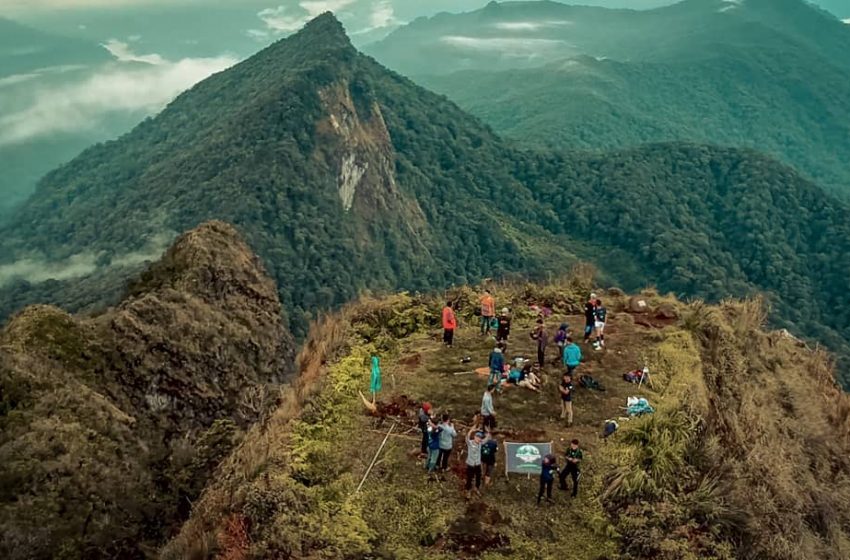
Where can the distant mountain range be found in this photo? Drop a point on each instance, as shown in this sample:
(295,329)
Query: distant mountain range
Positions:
(347,177)
(768,74)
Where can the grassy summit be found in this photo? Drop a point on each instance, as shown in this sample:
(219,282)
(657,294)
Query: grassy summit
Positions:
(746,423)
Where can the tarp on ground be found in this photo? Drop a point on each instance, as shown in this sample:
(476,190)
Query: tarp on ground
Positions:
(525,458)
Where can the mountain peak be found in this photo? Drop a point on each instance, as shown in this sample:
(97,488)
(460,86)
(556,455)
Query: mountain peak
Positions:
(329,28)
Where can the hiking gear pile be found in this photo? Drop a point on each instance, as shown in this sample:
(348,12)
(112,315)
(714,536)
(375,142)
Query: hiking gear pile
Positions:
(638,406)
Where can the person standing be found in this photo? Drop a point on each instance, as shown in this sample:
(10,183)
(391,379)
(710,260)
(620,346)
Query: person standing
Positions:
(488,412)
(542,337)
(589,317)
(497,366)
(489,448)
(473,460)
(447,441)
(433,446)
(424,419)
(504,330)
(488,311)
(375,383)
(601,314)
(572,468)
(548,468)
(566,390)
(572,356)
(449,324)
(561,340)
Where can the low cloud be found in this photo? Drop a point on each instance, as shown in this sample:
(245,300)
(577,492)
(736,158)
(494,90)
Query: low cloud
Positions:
(123,53)
(511,46)
(381,16)
(847,21)
(81,264)
(82,104)
(529,25)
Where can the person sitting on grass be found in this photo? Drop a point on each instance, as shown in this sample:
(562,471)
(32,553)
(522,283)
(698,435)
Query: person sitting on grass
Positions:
(523,376)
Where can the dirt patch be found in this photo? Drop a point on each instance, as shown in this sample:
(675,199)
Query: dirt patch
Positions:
(652,321)
(521,435)
(400,406)
(473,534)
(412,361)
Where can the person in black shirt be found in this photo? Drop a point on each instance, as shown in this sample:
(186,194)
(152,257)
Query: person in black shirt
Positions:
(504,329)
(589,317)
(571,468)
(566,391)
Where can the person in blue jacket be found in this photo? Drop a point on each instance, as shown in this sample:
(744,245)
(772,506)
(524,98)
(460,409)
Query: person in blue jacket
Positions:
(572,355)
(497,366)
(548,470)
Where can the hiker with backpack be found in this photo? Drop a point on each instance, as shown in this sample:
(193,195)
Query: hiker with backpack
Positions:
(489,448)
(589,317)
(566,391)
(473,459)
(561,341)
(600,314)
(572,355)
(504,330)
(449,324)
(573,458)
(542,337)
(548,469)
(488,312)
(447,441)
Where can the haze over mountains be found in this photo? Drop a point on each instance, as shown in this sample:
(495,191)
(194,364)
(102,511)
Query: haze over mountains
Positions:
(346,177)
(769,74)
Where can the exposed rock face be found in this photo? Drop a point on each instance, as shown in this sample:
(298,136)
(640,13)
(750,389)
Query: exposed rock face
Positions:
(105,422)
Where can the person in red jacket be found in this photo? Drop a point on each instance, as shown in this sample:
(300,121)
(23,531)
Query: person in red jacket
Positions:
(449,324)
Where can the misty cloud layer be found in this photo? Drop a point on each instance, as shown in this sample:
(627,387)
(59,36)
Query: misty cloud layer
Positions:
(142,83)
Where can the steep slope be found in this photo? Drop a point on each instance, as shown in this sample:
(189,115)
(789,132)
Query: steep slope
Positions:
(111,424)
(740,459)
(756,73)
(342,175)
(347,177)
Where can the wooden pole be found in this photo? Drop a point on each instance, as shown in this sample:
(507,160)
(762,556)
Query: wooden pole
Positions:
(375,458)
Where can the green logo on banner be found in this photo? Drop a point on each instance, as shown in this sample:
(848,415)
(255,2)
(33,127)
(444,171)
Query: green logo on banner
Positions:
(528,455)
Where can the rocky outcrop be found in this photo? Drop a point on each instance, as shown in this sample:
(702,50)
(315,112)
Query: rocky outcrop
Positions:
(110,424)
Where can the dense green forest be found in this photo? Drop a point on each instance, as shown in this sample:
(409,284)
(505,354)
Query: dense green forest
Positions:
(771,75)
(272,144)
(794,107)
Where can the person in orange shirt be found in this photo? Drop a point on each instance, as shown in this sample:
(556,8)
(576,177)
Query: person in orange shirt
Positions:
(488,311)
(449,324)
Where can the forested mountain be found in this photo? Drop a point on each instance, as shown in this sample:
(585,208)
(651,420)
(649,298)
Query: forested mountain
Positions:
(345,177)
(110,426)
(770,75)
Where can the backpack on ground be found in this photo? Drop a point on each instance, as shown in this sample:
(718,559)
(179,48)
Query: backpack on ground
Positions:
(633,376)
(588,382)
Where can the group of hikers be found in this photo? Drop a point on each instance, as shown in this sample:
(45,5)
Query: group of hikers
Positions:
(481,446)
